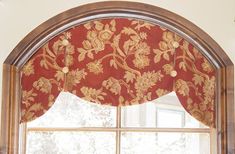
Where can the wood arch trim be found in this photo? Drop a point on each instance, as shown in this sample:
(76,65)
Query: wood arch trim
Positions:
(9,141)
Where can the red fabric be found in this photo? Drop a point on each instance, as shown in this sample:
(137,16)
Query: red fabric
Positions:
(118,62)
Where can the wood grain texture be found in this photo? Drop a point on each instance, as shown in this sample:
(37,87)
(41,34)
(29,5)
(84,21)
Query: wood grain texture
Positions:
(10,110)
(28,46)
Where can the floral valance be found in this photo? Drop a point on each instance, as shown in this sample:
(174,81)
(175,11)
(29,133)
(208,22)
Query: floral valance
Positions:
(118,62)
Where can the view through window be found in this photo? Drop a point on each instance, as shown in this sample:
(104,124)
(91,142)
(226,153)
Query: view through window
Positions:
(75,126)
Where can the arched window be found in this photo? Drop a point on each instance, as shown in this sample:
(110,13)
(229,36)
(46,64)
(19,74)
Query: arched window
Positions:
(168,53)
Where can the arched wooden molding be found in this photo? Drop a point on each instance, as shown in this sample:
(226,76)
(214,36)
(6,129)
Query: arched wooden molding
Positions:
(28,46)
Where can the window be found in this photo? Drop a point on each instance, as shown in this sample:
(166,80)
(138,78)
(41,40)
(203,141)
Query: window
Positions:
(73,125)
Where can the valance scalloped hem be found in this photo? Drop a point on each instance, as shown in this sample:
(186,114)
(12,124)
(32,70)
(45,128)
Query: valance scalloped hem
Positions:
(119,62)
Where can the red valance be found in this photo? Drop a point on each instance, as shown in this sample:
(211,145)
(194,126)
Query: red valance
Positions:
(119,62)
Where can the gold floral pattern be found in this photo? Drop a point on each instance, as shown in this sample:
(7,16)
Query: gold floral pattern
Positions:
(95,67)
(113,85)
(29,114)
(28,68)
(146,81)
(168,68)
(94,95)
(27,97)
(74,77)
(119,62)
(206,66)
(43,84)
(182,87)
(161,92)
(98,35)
(170,41)
(141,61)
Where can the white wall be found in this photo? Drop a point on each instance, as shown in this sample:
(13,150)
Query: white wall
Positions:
(19,17)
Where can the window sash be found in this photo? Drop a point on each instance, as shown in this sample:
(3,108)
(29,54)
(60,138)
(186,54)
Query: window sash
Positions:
(118,129)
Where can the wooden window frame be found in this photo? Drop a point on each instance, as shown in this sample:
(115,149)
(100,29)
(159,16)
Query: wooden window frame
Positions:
(11,88)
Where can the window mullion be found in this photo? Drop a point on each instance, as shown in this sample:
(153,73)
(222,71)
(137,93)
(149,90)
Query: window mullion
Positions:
(23,138)
(126,129)
(118,132)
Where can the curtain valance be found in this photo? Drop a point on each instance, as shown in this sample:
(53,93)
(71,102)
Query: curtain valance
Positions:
(119,61)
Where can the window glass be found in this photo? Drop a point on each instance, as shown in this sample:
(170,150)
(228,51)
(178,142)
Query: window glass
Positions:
(165,111)
(71,142)
(71,111)
(165,143)
(170,118)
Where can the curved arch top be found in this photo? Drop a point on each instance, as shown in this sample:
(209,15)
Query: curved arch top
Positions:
(35,40)
(83,13)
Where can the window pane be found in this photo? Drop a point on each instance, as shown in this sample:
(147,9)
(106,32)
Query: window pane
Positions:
(165,143)
(172,118)
(71,143)
(136,115)
(71,111)
(158,113)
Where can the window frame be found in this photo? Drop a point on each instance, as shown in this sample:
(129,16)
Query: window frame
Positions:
(11,93)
